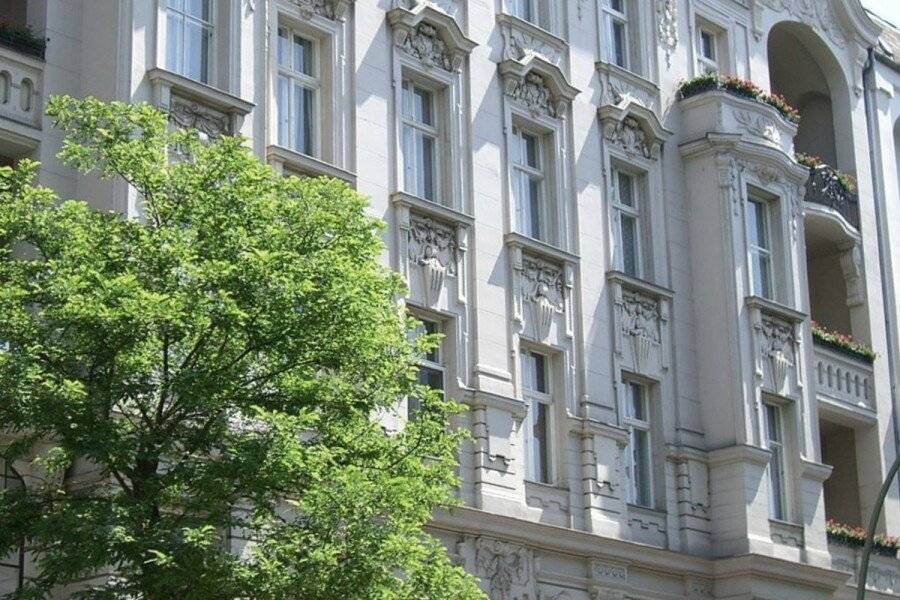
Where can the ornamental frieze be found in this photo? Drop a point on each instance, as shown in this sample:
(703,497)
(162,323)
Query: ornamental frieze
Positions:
(192,115)
(432,246)
(533,93)
(425,44)
(628,135)
(505,568)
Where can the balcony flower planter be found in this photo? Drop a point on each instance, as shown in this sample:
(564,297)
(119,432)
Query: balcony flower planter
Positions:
(847,535)
(843,343)
(845,180)
(737,87)
(22,39)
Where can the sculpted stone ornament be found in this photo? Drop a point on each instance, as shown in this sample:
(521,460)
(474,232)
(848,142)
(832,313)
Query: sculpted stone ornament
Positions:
(189,114)
(426,45)
(641,322)
(330,9)
(818,13)
(630,137)
(505,567)
(534,94)
(433,247)
(543,289)
(668,27)
(776,346)
(756,125)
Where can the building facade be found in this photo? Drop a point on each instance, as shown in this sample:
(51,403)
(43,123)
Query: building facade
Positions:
(634,282)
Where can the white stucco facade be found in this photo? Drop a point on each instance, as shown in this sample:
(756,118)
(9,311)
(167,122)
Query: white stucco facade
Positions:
(626,279)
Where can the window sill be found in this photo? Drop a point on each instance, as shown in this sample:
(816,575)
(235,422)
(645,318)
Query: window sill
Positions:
(432,209)
(302,164)
(540,248)
(639,284)
(202,92)
(786,533)
(616,81)
(544,35)
(772,307)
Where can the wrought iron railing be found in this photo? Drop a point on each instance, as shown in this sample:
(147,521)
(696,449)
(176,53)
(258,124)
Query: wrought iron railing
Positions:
(825,187)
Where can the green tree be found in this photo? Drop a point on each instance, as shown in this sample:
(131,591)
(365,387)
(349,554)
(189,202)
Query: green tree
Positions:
(215,366)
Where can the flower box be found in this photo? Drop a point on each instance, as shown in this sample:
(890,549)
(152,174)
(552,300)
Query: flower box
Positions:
(738,87)
(843,343)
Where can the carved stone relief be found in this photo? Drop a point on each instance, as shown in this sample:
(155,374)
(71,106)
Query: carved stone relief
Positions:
(542,288)
(728,181)
(330,9)
(619,93)
(189,114)
(519,44)
(776,348)
(425,44)
(432,246)
(451,7)
(533,93)
(757,125)
(630,137)
(506,569)
(609,573)
(851,265)
(640,324)
(818,13)
(668,27)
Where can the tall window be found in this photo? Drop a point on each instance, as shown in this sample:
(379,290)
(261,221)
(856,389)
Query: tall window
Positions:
(420,141)
(627,206)
(616,12)
(431,368)
(639,468)
(298,87)
(11,565)
(529,184)
(707,51)
(775,443)
(524,9)
(537,424)
(760,242)
(189,30)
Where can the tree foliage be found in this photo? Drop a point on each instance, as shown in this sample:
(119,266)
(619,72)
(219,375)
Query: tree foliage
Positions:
(209,373)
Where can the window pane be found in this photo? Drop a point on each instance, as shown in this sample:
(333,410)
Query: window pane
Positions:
(635,401)
(707,45)
(433,378)
(523,9)
(540,442)
(284,56)
(640,449)
(776,481)
(625,189)
(630,240)
(773,426)
(174,37)
(196,59)
(198,8)
(534,372)
(617,5)
(532,151)
(758,226)
(176,4)
(409,157)
(762,274)
(283,108)
(303,55)
(422,109)
(535,209)
(618,43)
(302,119)
(427,175)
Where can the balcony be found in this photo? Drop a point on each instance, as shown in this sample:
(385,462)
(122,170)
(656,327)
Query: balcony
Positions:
(884,571)
(829,188)
(21,108)
(843,379)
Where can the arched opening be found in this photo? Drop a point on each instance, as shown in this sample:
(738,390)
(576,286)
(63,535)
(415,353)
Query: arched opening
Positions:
(12,566)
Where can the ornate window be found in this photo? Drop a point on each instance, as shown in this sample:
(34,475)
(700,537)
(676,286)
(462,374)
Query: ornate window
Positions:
(639,465)
(710,47)
(759,242)
(529,190)
(298,91)
(774,439)
(12,566)
(537,426)
(420,140)
(431,367)
(189,35)
(628,191)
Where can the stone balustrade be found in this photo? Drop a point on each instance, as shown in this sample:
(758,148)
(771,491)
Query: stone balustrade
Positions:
(843,378)
(21,85)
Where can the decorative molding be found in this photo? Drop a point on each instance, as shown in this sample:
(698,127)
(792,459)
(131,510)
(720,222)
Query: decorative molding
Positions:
(727,170)
(757,125)
(534,94)
(193,115)
(699,588)
(776,348)
(641,322)
(628,135)
(667,27)
(852,267)
(433,247)
(505,567)
(425,44)
(543,287)
(609,573)
(429,34)
(818,13)
(334,10)
(451,7)
(522,41)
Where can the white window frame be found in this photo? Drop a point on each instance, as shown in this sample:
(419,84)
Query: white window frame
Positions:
(635,212)
(522,172)
(209,75)
(434,131)
(612,17)
(639,427)
(764,252)
(517,7)
(705,63)
(294,76)
(537,398)
(776,470)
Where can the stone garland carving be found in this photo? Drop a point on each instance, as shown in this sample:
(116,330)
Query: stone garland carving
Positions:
(604,572)
(189,114)
(425,44)
(819,13)
(330,9)
(640,322)
(433,247)
(533,92)
(756,125)
(668,27)
(776,348)
(505,567)
(543,288)
(630,137)
(519,44)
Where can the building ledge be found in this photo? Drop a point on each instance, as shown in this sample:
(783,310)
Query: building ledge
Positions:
(540,248)
(432,209)
(207,94)
(286,159)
